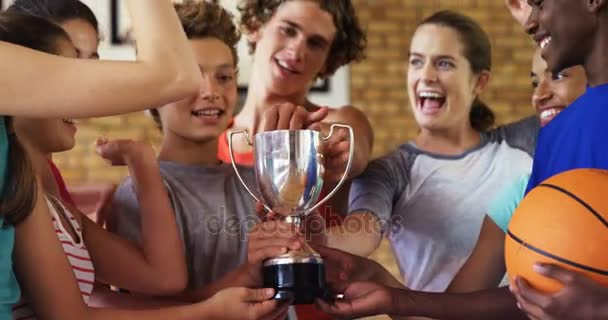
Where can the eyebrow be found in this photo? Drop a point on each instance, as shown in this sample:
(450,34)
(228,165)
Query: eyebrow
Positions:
(316,36)
(292,24)
(221,66)
(441,56)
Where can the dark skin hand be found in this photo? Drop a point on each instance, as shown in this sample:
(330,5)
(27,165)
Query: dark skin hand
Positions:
(580,298)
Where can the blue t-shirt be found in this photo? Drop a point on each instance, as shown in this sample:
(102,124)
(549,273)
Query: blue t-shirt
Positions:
(9,289)
(504,204)
(576,138)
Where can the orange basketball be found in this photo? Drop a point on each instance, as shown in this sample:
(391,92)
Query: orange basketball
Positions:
(562,221)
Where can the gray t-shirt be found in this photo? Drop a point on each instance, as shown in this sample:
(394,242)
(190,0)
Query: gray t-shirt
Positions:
(432,206)
(214,214)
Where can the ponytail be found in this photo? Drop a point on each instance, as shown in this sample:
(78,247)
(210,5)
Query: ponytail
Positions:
(19,195)
(481,116)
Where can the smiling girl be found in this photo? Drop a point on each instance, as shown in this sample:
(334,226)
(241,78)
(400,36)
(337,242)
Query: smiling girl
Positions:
(432,193)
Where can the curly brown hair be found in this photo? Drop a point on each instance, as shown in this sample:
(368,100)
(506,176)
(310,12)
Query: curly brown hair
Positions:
(349,44)
(206,19)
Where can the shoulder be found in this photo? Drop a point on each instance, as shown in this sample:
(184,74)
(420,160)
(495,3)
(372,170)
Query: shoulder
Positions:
(524,128)
(521,134)
(401,154)
(397,163)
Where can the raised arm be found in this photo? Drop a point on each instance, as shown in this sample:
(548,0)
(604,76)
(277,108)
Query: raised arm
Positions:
(158,266)
(38,84)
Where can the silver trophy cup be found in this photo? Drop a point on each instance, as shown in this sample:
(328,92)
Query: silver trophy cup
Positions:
(289,172)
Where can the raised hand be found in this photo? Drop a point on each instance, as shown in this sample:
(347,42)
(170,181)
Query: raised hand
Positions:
(121,152)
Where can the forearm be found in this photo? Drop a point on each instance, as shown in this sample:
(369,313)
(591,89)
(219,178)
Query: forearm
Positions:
(359,234)
(386,278)
(162,44)
(161,243)
(488,304)
(166,67)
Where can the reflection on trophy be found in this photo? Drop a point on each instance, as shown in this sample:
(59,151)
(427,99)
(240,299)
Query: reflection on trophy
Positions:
(289,172)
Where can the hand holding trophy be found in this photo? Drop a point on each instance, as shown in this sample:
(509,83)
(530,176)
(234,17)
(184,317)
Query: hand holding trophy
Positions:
(289,172)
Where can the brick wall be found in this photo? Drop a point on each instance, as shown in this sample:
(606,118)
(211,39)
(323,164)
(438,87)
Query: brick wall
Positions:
(378,84)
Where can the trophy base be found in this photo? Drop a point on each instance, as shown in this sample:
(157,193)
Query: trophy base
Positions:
(297,278)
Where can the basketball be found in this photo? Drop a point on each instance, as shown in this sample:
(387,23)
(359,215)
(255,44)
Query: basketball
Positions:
(562,221)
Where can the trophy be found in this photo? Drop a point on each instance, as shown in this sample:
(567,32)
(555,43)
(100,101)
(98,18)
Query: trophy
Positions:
(289,172)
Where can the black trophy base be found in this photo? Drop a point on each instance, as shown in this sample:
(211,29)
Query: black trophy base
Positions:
(301,282)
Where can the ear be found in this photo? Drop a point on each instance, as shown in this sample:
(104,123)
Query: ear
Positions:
(483,78)
(253,36)
(595,6)
(323,72)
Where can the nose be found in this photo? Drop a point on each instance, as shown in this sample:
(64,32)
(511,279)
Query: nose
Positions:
(428,72)
(209,88)
(295,48)
(542,94)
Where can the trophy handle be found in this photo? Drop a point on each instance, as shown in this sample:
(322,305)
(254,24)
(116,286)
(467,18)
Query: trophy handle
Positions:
(236,170)
(351,152)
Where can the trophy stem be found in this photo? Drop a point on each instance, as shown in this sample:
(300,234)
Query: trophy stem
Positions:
(296,219)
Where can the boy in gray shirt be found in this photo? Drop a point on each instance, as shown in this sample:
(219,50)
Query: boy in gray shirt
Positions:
(213,211)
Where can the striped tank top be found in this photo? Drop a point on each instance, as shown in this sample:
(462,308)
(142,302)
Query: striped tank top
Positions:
(74,249)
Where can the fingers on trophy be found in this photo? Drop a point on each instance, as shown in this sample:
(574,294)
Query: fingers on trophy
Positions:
(289,170)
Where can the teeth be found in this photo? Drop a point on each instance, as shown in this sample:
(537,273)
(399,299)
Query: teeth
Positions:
(284,65)
(69,121)
(549,113)
(431,94)
(545,42)
(207,112)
